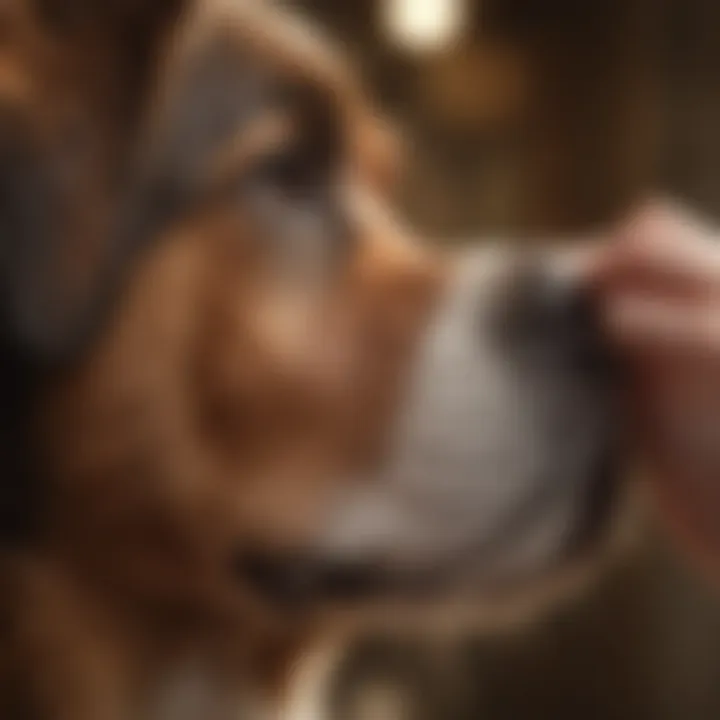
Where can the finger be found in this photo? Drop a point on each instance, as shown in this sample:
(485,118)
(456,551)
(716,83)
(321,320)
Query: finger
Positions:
(655,323)
(662,249)
(668,243)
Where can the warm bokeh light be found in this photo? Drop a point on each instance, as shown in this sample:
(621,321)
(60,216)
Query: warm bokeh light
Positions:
(424,25)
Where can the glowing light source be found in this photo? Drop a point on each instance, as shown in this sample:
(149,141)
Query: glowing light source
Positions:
(424,25)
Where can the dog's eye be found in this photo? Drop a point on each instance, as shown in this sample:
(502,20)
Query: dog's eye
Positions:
(291,170)
(298,206)
(304,167)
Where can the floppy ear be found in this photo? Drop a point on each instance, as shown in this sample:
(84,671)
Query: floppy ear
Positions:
(73,85)
(86,68)
(58,262)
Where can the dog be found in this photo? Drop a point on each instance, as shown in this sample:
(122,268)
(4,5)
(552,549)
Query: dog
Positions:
(242,401)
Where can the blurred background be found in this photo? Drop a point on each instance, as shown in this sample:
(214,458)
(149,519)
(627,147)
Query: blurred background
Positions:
(526,118)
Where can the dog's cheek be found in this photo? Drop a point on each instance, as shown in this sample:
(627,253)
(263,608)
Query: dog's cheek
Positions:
(381,154)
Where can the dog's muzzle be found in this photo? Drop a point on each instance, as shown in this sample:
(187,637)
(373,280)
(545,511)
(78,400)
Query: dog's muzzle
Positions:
(503,457)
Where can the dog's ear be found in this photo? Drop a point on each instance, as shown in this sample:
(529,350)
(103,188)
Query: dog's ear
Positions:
(74,79)
(73,86)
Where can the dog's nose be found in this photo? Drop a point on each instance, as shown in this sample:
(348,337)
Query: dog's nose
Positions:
(578,318)
(554,310)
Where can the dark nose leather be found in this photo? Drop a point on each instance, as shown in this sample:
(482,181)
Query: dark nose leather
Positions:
(570,314)
(557,314)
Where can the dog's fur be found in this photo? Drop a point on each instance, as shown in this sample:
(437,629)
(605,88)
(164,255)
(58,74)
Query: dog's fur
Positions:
(232,387)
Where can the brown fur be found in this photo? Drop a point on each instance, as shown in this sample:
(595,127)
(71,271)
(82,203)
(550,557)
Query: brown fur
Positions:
(219,399)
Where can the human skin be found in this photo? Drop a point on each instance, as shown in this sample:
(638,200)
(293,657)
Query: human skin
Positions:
(658,284)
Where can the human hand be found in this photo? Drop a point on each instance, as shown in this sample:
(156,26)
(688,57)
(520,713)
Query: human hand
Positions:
(659,285)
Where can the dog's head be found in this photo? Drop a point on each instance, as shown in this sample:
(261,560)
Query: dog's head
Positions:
(255,389)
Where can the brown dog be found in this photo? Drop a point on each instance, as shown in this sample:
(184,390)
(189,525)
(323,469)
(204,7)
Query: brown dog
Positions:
(238,397)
